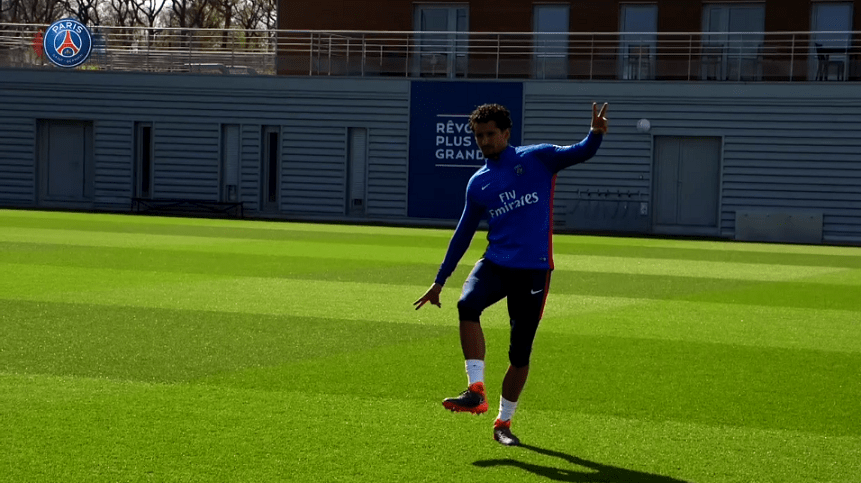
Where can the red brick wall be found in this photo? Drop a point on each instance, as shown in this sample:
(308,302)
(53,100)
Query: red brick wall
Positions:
(516,15)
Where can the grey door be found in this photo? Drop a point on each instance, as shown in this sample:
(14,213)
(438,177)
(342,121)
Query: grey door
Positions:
(65,162)
(687,182)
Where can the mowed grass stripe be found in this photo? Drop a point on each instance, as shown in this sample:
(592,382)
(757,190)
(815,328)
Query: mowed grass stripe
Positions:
(119,233)
(606,245)
(654,380)
(712,321)
(759,326)
(417,245)
(599,244)
(823,292)
(24,260)
(161,345)
(217,228)
(35,282)
(727,250)
(710,384)
(690,268)
(586,245)
(589,447)
(272,259)
(230,246)
(134,431)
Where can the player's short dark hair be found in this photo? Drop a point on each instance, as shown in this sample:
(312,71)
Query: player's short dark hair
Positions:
(490,112)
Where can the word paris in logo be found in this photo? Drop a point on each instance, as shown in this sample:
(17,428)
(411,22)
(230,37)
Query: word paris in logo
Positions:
(68,43)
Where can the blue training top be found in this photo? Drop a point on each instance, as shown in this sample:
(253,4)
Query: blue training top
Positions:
(515,192)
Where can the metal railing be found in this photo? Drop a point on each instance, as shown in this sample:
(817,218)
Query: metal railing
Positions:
(687,56)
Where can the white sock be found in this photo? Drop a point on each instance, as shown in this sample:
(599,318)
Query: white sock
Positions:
(475,370)
(506,409)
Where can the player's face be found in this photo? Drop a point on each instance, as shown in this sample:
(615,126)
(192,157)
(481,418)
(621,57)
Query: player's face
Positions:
(490,139)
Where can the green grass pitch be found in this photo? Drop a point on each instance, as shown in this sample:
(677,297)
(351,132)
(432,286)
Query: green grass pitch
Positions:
(175,350)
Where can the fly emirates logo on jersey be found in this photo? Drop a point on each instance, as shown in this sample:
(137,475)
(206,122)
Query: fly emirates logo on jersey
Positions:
(511,202)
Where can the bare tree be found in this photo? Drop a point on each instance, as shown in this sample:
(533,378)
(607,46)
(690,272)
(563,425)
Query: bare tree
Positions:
(248,16)
(120,13)
(254,15)
(146,12)
(270,14)
(226,14)
(227,10)
(193,13)
(86,11)
(32,11)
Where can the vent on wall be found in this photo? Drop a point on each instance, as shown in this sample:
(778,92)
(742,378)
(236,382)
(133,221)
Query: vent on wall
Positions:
(778,226)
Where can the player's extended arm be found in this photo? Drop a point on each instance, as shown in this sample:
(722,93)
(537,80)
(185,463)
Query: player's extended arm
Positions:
(557,158)
(460,240)
(456,248)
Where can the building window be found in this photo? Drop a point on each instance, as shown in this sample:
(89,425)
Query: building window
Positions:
(230,162)
(831,24)
(442,54)
(732,41)
(550,24)
(270,163)
(143,160)
(639,24)
(357,170)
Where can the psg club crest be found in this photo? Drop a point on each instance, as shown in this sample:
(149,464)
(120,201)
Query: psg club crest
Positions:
(68,43)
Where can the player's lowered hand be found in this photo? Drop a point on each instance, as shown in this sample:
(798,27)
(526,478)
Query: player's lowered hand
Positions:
(432,296)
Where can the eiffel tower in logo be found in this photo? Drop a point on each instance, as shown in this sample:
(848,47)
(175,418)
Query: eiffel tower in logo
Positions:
(68,44)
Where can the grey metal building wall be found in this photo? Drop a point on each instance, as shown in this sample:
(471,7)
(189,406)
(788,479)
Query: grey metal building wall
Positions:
(603,193)
(249,165)
(17,155)
(789,153)
(315,146)
(187,112)
(186,158)
(113,150)
(789,150)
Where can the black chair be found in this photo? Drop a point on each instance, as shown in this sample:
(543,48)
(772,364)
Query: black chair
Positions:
(639,62)
(824,62)
(712,62)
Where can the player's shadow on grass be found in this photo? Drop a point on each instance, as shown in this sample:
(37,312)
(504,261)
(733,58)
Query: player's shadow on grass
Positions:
(599,473)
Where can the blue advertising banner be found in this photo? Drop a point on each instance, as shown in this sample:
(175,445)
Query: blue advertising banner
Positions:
(443,152)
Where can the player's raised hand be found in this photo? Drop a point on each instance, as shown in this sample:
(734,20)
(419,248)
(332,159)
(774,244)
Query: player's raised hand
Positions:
(599,119)
(432,296)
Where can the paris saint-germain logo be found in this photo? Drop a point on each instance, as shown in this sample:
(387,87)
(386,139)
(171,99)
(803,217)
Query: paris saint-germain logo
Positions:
(68,43)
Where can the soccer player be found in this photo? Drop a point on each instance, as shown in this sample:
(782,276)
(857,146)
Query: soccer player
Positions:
(514,190)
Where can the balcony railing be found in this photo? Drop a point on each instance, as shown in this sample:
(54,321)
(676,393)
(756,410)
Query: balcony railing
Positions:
(676,56)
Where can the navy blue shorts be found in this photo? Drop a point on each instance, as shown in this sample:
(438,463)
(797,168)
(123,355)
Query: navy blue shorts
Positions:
(526,291)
